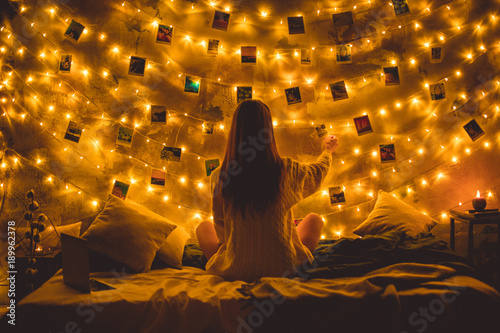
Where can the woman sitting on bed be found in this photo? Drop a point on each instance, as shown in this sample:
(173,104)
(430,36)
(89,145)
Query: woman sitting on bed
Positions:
(254,190)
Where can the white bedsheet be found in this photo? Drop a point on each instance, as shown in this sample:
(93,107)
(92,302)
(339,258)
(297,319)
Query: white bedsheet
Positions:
(189,300)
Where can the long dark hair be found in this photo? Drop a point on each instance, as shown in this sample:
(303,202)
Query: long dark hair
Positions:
(252,170)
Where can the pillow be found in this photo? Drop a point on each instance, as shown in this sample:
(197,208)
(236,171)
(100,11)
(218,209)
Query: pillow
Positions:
(48,238)
(127,233)
(391,213)
(172,249)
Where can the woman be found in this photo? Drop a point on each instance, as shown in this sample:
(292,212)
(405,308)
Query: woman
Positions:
(254,189)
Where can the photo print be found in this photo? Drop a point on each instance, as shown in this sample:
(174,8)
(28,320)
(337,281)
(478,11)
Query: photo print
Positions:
(293,95)
(211,165)
(137,66)
(474,130)
(344,55)
(221,21)
(158,177)
(387,153)
(337,195)
(437,91)
(120,189)
(321,130)
(164,34)
(305,57)
(391,75)
(74,31)
(158,114)
(208,128)
(363,125)
(339,91)
(296,25)
(401,7)
(192,85)
(73,132)
(343,24)
(65,63)
(124,137)
(249,55)
(213,47)
(243,93)
(171,154)
(436,54)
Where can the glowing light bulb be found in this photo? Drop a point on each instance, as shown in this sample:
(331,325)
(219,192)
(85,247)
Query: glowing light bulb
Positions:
(458,73)
(200,185)
(424,182)
(263,14)
(221,126)
(49,179)
(393,62)
(116,50)
(94,203)
(275,123)
(182,180)
(165,198)
(469,56)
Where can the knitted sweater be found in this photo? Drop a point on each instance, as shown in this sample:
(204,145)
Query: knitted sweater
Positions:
(267,244)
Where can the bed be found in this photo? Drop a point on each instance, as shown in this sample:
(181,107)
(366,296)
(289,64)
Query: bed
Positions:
(389,282)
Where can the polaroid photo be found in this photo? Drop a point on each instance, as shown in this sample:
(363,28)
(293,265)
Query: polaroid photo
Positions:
(343,24)
(213,46)
(124,137)
(211,165)
(221,21)
(137,66)
(305,57)
(192,85)
(65,63)
(401,7)
(363,125)
(73,133)
(293,95)
(164,34)
(158,114)
(339,91)
(296,25)
(321,130)
(249,55)
(243,93)
(208,128)
(437,91)
(74,30)
(344,54)
(391,75)
(158,177)
(474,130)
(171,154)
(120,189)
(387,153)
(297,221)
(436,55)
(337,195)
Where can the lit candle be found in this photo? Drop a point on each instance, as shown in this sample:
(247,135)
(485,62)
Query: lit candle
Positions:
(478,203)
(38,250)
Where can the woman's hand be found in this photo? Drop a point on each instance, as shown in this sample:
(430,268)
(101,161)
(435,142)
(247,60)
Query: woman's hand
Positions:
(331,143)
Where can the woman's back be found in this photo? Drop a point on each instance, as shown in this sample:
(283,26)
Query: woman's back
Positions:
(255,243)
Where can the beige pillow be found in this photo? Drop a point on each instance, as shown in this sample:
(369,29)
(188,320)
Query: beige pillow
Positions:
(172,249)
(390,214)
(48,238)
(128,233)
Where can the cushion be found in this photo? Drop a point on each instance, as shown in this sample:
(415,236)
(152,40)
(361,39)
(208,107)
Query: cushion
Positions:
(49,238)
(128,233)
(390,213)
(172,249)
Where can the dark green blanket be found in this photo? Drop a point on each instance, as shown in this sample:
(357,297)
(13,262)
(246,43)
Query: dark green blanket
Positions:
(358,256)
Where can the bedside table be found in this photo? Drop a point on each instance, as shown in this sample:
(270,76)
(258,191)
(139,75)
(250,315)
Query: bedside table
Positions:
(472,219)
(47,266)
